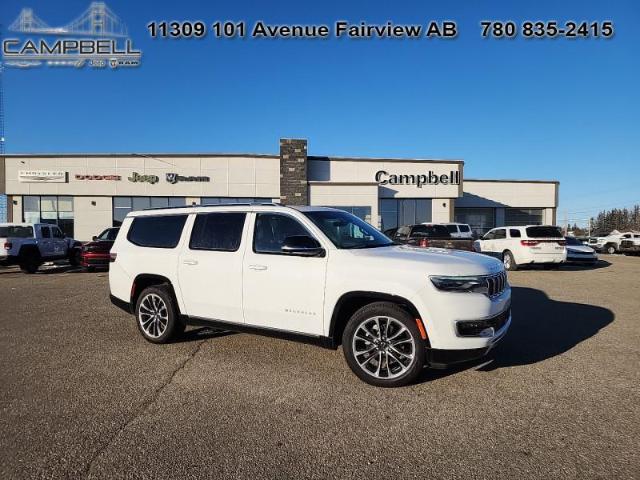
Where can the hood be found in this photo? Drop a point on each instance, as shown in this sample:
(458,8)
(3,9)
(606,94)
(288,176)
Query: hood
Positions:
(437,261)
(580,248)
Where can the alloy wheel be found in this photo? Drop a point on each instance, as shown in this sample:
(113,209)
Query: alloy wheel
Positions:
(383,347)
(153,315)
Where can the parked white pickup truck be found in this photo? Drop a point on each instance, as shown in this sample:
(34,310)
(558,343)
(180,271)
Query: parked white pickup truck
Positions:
(611,243)
(29,245)
(630,244)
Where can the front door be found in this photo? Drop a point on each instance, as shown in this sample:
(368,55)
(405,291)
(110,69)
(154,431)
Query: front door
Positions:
(210,267)
(45,243)
(59,243)
(281,291)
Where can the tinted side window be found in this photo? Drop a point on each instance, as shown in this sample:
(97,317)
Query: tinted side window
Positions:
(217,231)
(157,231)
(57,233)
(46,233)
(498,234)
(489,235)
(464,228)
(271,230)
(452,228)
(514,233)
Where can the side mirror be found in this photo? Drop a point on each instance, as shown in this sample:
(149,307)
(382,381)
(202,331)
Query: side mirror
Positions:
(303,246)
(94,238)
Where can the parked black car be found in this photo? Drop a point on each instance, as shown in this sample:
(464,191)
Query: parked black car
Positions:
(428,236)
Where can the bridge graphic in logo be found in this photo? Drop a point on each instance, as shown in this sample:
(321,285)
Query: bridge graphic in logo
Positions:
(98,38)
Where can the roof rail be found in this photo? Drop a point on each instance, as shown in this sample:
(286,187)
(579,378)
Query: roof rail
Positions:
(237,204)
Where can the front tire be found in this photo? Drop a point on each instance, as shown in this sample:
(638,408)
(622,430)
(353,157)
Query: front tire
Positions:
(610,249)
(157,315)
(382,345)
(508,261)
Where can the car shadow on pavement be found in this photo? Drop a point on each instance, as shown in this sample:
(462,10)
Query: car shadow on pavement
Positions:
(541,328)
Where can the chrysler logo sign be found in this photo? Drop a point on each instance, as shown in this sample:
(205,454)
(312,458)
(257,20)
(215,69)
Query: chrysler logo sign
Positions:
(419,180)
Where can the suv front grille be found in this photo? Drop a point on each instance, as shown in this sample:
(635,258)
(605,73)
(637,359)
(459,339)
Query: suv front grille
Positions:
(473,328)
(496,284)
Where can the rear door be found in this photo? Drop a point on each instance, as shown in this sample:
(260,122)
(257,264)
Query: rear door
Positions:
(210,266)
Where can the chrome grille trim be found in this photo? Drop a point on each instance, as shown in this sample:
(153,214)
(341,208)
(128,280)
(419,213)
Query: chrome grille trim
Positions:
(496,284)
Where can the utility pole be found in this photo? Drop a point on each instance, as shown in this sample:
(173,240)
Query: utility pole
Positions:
(4,208)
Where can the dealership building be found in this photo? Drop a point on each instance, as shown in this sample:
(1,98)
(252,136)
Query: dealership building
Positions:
(86,193)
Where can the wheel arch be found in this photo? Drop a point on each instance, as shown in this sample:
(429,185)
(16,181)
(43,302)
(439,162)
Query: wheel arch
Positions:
(146,280)
(350,302)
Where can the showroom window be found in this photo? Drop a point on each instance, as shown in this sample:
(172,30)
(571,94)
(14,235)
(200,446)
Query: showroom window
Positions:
(481,220)
(124,205)
(406,211)
(49,209)
(226,200)
(363,213)
(523,216)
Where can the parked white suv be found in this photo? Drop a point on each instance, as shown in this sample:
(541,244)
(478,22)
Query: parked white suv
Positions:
(531,244)
(315,274)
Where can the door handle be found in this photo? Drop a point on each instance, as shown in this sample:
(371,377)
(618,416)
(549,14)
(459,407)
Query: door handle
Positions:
(258,267)
(190,262)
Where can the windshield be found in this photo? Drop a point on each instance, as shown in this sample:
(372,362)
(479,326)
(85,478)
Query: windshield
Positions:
(347,231)
(572,241)
(16,231)
(109,234)
(431,231)
(543,232)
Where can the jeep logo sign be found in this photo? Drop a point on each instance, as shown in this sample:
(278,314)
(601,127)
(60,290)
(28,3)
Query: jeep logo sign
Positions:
(430,178)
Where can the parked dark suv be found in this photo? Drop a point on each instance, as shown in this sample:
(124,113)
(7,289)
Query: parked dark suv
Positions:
(422,235)
(95,254)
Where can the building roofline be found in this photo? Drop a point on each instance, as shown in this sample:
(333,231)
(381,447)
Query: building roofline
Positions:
(557,182)
(328,158)
(136,154)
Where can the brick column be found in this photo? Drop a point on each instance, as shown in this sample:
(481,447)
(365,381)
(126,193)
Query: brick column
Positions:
(294,189)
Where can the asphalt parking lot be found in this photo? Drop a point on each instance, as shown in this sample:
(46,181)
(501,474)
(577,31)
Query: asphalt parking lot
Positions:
(84,396)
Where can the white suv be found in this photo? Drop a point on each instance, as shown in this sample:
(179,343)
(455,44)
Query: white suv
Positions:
(531,244)
(314,274)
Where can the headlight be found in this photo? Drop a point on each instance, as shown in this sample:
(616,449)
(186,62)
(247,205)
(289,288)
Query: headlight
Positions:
(475,284)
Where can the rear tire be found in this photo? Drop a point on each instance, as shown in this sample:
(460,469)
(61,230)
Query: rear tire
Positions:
(29,262)
(157,316)
(508,261)
(382,345)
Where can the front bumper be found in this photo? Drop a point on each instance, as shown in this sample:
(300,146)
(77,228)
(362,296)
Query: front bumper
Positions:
(439,358)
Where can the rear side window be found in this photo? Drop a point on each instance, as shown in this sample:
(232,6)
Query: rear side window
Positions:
(544,232)
(17,231)
(464,228)
(157,231)
(501,233)
(514,233)
(452,228)
(46,233)
(217,231)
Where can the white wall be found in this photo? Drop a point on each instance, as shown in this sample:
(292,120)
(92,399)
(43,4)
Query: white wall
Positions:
(90,220)
(341,195)
(508,194)
(442,210)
